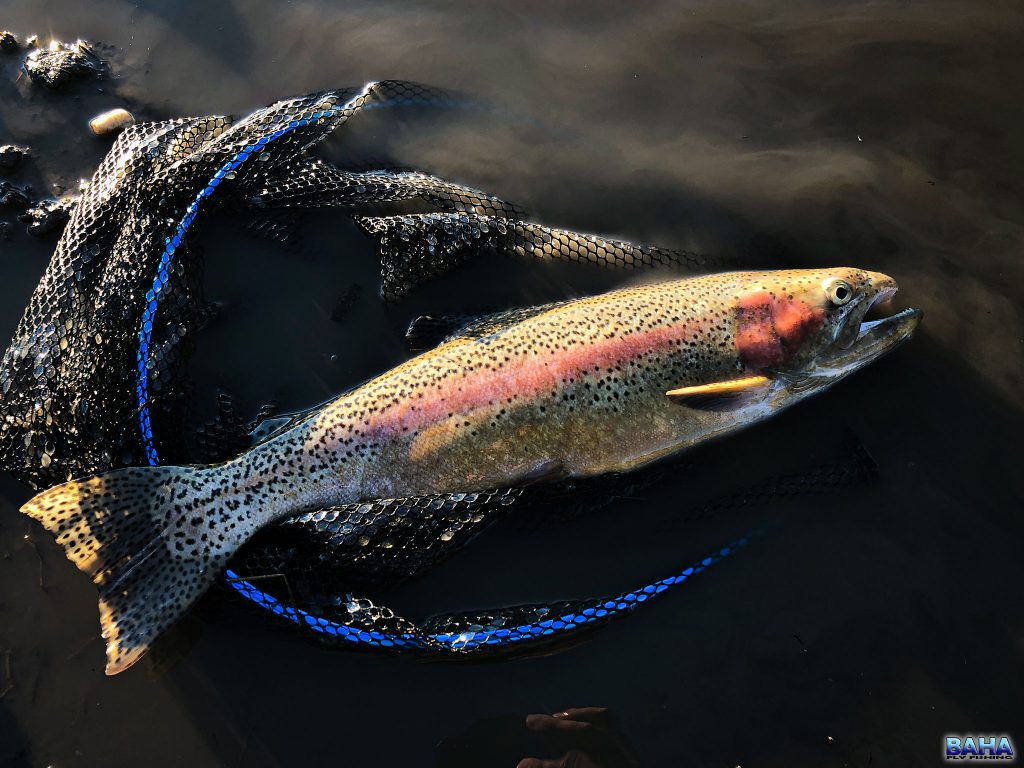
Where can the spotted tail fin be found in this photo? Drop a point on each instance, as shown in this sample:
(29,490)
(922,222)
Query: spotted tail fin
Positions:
(153,539)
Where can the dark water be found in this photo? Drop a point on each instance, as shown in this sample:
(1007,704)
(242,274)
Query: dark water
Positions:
(865,623)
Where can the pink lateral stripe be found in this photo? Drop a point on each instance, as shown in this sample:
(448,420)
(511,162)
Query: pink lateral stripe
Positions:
(526,375)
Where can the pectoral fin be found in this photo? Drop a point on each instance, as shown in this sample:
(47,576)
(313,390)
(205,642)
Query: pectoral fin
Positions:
(429,331)
(722,395)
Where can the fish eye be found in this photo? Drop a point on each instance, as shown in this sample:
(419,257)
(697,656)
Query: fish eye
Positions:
(839,292)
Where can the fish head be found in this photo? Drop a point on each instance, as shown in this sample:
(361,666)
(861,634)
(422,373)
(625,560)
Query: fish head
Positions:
(806,329)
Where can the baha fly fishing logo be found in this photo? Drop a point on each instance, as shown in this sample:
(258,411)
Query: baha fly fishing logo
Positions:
(974,747)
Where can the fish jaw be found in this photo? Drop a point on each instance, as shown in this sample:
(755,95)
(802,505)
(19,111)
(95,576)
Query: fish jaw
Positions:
(873,340)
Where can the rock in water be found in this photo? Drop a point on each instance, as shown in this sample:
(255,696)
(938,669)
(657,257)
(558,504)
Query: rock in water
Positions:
(14,198)
(11,156)
(48,216)
(61,63)
(8,42)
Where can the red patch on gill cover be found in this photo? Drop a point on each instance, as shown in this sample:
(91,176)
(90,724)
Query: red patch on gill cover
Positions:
(769,329)
(756,340)
(795,320)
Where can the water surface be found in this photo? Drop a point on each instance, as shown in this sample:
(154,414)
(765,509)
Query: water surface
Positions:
(864,625)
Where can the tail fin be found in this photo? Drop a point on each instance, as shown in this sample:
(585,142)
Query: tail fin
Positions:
(151,542)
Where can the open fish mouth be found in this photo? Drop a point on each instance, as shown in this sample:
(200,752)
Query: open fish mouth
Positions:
(873,339)
(858,342)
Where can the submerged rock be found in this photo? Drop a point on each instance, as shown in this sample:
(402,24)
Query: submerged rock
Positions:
(48,216)
(63,62)
(8,42)
(343,306)
(14,198)
(5,230)
(11,156)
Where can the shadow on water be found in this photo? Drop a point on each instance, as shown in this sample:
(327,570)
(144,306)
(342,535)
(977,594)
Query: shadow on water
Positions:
(862,627)
(15,749)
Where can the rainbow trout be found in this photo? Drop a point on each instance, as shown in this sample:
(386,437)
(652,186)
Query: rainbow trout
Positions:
(580,388)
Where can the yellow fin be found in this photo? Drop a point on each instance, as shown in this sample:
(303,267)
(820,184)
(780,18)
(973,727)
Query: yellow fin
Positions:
(721,395)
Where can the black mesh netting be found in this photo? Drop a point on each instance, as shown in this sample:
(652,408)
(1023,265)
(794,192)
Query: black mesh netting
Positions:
(92,379)
(305,570)
(421,246)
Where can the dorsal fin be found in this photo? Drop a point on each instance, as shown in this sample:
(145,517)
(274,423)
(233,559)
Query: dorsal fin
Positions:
(428,331)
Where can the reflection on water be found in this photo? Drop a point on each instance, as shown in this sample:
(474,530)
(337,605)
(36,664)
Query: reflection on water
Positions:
(781,134)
